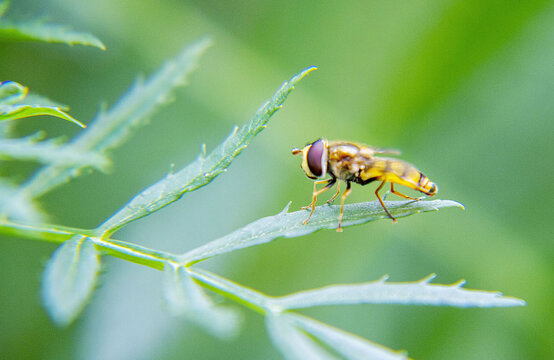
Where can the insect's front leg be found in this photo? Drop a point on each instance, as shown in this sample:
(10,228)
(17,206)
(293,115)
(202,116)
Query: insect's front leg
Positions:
(315,193)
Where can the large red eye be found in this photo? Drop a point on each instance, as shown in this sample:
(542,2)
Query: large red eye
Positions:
(315,157)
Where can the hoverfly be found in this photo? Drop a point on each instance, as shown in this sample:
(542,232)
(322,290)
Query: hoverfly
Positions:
(353,162)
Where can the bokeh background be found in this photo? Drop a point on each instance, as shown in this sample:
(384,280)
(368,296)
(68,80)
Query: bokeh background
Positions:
(464,88)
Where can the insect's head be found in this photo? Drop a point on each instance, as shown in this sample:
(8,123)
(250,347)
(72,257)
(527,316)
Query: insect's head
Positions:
(314,158)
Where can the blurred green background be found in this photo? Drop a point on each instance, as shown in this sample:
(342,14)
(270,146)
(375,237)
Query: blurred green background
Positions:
(464,88)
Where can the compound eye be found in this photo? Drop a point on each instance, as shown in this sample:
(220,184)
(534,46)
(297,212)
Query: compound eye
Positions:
(315,157)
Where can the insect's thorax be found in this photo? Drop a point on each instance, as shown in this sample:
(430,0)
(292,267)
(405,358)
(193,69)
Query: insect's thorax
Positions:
(348,161)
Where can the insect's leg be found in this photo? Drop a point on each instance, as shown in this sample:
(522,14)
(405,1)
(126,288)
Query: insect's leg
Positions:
(342,198)
(330,183)
(399,194)
(336,194)
(382,203)
(316,192)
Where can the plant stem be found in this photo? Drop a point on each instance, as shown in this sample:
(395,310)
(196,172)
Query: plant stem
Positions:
(252,299)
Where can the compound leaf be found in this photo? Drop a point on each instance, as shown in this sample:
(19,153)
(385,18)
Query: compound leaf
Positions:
(111,128)
(202,171)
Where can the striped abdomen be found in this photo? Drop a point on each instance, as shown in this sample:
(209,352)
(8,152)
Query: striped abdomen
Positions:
(398,172)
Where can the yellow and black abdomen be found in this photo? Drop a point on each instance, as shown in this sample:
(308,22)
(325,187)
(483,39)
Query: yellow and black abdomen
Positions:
(398,172)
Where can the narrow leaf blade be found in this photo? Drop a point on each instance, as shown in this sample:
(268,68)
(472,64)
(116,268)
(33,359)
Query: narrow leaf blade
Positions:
(289,225)
(382,292)
(52,33)
(49,152)
(69,279)
(292,342)
(348,345)
(18,206)
(186,298)
(111,128)
(14,112)
(202,171)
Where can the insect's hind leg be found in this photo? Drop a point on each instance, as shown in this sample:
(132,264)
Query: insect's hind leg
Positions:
(336,194)
(382,203)
(342,198)
(315,194)
(399,194)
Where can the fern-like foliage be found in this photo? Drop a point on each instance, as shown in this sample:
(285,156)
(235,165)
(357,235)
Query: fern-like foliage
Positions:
(70,275)
(112,127)
(15,104)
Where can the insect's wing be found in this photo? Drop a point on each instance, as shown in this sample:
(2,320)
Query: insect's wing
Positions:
(387,151)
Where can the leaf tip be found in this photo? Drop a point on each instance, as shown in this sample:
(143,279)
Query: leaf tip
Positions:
(303,73)
(310,69)
(285,209)
(73,120)
(518,302)
(428,278)
(171,169)
(460,283)
(453,203)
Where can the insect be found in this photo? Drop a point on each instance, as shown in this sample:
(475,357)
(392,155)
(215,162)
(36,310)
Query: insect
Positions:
(353,162)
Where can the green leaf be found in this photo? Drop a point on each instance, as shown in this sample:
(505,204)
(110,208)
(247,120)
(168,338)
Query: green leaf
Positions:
(14,112)
(12,92)
(202,171)
(348,345)
(49,152)
(69,279)
(111,128)
(41,31)
(292,342)
(13,104)
(325,217)
(35,99)
(17,205)
(187,299)
(410,293)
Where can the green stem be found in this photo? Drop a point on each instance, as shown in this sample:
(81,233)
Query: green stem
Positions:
(53,233)
(135,253)
(120,249)
(250,298)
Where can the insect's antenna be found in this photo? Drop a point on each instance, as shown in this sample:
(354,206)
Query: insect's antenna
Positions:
(296,151)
